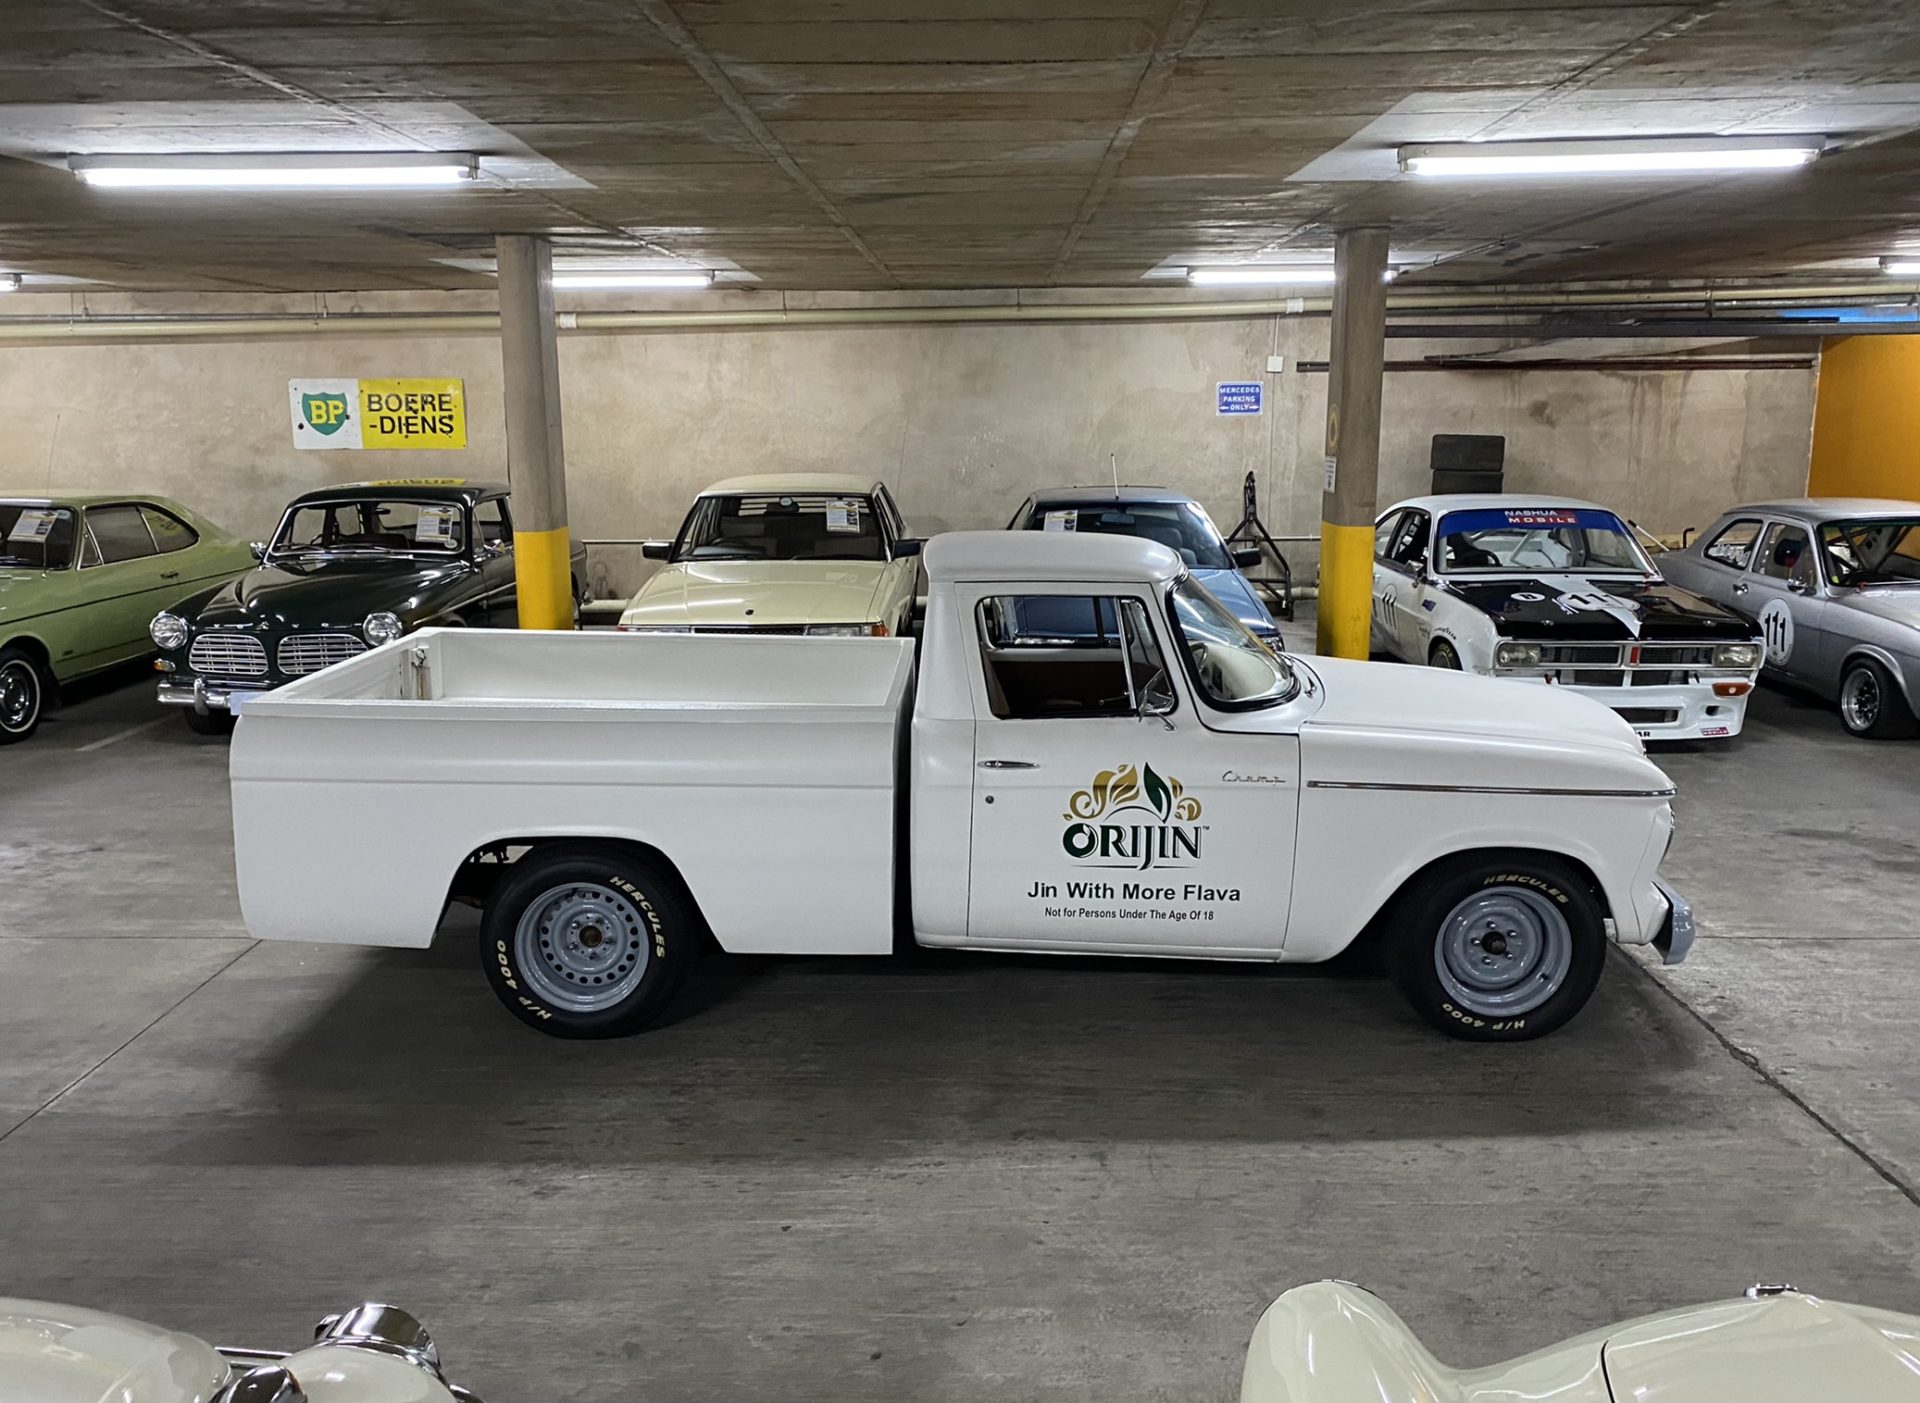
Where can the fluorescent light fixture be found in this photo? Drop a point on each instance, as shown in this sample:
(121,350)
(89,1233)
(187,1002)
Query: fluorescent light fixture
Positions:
(1906,266)
(280,171)
(1689,155)
(1247,274)
(9,282)
(615,278)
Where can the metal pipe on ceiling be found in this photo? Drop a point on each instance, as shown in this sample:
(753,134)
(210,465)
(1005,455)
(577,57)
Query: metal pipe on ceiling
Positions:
(195,326)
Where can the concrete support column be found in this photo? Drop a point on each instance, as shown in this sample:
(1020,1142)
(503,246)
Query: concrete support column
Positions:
(536,457)
(1351,498)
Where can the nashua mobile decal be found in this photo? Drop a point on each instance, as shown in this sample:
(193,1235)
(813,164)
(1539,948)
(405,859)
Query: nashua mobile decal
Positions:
(1132,817)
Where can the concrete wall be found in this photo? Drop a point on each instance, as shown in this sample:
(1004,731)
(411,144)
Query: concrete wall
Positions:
(962,420)
(1866,429)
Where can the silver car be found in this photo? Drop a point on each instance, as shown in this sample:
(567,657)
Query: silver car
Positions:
(1834,585)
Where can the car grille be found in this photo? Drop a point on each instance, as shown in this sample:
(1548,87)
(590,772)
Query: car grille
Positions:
(225,654)
(1647,715)
(301,653)
(750,628)
(1624,664)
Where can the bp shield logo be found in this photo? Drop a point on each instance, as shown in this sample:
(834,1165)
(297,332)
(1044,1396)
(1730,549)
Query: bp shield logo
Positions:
(324,413)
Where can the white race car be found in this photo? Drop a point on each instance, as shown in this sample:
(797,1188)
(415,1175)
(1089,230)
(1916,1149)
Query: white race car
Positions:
(1558,591)
(1332,1342)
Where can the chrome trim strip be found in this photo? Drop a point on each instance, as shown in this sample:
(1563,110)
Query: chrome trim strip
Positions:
(1493,789)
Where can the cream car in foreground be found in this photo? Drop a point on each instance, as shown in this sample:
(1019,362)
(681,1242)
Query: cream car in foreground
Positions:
(66,1354)
(820,554)
(1157,782)
(1333,1342)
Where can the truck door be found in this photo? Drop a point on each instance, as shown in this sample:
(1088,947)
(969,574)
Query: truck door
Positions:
(1096,828)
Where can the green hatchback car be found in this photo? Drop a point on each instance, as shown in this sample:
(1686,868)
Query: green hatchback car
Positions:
(81,576)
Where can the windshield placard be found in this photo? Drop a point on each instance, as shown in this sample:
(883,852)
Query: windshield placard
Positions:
(35,524)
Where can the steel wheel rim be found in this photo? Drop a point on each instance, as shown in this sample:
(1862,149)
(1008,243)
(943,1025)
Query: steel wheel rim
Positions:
(1445,657)
(1503,952)
(584,946)
(19,695)
(1860,699)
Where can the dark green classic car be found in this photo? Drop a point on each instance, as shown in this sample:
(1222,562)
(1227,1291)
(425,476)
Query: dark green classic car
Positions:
(350,567)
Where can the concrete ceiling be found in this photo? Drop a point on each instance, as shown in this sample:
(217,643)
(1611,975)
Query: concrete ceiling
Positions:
(948,143)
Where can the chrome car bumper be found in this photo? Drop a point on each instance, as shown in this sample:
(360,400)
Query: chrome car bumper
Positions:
(204,698)
(1675,936)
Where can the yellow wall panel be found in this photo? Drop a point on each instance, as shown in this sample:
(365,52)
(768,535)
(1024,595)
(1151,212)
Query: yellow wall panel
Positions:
(1866,420)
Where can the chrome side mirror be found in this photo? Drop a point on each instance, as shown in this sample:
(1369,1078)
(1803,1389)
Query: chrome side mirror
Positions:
(1157,701)
(259,549)
(1799,586)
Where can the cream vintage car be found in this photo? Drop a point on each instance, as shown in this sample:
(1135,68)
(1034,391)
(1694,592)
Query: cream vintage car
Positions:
(1332,1342)
(67,1354)
(822,554)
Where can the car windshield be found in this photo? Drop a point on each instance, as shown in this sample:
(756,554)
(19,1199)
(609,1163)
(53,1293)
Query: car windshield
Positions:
(781,526)
(1527,540)
(1861,553)
(1233,669)
(372,526)
(35,536)
(1183,526)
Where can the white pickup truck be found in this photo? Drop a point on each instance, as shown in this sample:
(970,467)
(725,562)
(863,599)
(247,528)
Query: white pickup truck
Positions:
(1091,756)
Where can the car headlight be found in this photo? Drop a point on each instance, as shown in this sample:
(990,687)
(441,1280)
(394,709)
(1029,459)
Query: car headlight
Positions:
(168,631)
(846,630)
(381,628)
(1517,655)
(1736,654)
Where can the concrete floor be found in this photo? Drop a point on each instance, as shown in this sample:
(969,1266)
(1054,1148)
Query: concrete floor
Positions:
(941,1178)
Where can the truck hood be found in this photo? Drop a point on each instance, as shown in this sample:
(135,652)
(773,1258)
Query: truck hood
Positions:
(306,594)
(761,593)
(1394,697)
(63,1354)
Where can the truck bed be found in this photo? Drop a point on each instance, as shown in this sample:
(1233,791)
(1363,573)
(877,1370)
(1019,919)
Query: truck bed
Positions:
(767,766)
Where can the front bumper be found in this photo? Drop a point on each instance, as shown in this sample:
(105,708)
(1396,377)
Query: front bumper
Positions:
(204,696)
(1675,937)
(1680,711)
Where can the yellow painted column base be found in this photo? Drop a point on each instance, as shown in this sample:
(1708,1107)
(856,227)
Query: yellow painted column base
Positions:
(543,578)
(1346,591)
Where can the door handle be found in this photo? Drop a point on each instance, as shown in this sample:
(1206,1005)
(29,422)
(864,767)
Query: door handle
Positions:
(169,574)
(1008,765)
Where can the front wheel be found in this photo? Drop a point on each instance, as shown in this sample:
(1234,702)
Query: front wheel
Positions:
(213,723)
(587,942)
(1444,656)
(1871,704)
(1497,949)
(23,695)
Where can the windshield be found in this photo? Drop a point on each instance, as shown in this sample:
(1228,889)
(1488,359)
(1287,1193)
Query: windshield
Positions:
(1527,540)
(372,526)
(1233,669)
(35,536)
(1183,526)
(1859,553)
(781,526)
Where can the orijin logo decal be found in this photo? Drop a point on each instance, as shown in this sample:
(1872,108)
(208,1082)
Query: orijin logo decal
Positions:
(1131,817)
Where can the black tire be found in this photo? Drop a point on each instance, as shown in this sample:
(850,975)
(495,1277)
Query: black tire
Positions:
(658,925)
(23,694)
(1441,655)
(1871,703)
(214,723)
(1421,918)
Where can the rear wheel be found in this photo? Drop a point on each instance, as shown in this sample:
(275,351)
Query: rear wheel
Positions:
(214,723)
(587,942)
(1498,948)
(1442,655)
(23,695)
(1871,704)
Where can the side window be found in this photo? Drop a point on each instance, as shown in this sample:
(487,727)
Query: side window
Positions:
(1383,534)
(493,523)
(119,534)
(169,532)
(1786,554)
(1052,655)
(1410,541)
(1734,545)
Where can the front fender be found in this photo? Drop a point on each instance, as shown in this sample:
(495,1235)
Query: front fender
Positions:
(1332,1342)
(1906,673)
